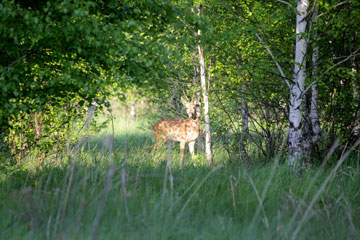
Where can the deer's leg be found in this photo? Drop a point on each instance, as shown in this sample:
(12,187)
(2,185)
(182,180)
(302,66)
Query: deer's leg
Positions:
(169,145)
(182,149)
(191,149)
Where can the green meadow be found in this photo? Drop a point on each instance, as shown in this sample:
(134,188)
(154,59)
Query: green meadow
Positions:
(136,192)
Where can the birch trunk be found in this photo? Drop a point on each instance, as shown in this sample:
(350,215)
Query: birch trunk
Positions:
(297,88)
(206,106)
(206,100)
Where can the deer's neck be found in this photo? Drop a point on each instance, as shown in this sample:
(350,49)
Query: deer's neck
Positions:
(195,120)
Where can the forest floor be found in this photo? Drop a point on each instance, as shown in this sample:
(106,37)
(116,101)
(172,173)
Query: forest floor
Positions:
(132,194)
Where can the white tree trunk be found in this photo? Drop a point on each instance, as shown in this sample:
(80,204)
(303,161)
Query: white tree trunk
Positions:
(244,116)
(205,98)
(297,87)
(206,106)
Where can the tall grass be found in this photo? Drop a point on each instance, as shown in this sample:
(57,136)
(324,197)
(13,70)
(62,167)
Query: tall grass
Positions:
(133,194)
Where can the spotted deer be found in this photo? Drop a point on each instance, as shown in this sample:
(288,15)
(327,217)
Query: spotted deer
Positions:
(180,130)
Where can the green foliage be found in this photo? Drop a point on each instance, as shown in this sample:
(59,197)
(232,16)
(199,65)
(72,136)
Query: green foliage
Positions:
(58,55)
(339,46)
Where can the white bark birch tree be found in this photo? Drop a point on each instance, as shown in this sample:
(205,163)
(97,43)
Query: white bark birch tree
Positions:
(205,98)
(297,87)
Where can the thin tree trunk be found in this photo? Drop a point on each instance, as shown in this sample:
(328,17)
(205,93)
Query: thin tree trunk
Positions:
(206,100)
(307,131)
(312,129)
(38,125)
(199,141)
(353,63)
(244,122)
(314,116)
(354,79)
(38,118)
(354,82)
(132,110)
(206,106)
(297,88)
(21,146)
(244,116)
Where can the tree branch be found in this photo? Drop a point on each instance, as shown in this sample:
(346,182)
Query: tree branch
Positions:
(337,5)
(19,59)
(342,61)
(329,69)
(286,3)
(307,89)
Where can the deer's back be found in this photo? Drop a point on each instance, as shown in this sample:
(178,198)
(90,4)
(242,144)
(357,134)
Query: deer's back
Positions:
(177,129)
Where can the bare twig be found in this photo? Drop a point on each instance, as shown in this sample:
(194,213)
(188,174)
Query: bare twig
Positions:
(286,3)
(329,69)
(189,78)
(19,59)
(307,89)
(342,61)
(337,5)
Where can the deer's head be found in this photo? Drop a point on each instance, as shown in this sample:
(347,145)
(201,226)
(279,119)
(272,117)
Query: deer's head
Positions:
(192,107)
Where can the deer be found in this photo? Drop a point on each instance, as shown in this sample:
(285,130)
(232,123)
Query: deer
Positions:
(185,131)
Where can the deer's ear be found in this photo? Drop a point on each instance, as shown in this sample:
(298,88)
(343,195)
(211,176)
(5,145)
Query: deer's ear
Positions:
(183,101)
